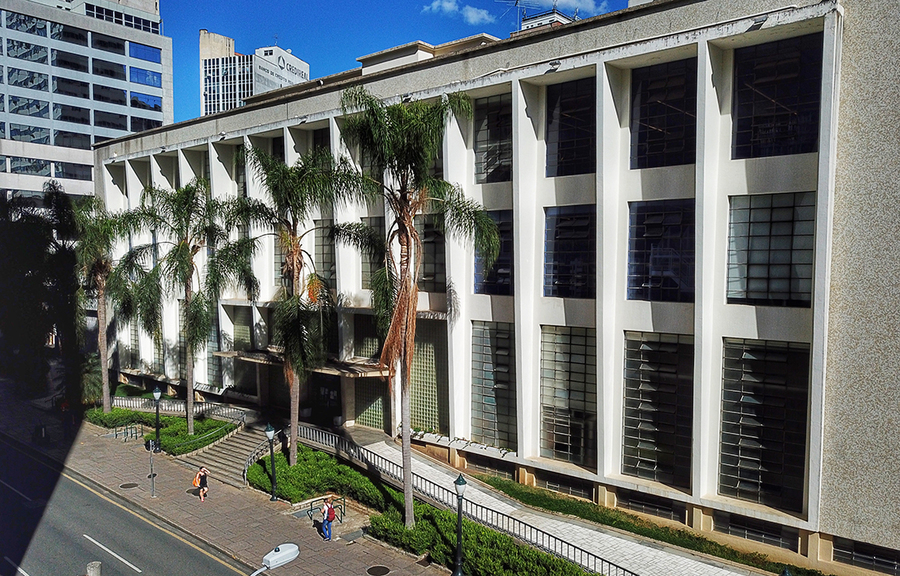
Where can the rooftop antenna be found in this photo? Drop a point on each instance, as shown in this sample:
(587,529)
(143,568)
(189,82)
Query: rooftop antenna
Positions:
(276,39)
(520,6)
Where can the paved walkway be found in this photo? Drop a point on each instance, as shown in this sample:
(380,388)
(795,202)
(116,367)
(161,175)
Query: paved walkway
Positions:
(246,525)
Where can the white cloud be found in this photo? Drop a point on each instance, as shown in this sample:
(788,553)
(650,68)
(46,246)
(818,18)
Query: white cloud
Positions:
(442,6)
(585,8)
(476,16)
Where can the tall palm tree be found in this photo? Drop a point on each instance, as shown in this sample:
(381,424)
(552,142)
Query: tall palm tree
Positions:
(314,183)
(400,142)
(185,222)
(97,236)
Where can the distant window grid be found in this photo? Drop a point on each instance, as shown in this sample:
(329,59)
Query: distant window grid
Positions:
(571,128)
(867,556)
(72,171)
(365,337)
(429,378)
(143,52)
(107,43)
(369,263)
(110,95)
(569,394)
(765,391)
(110,120)
(70,87)
(771,246)
(651,504)
(494,385)
(777,96)
(324,255)
(146,77)
(139,124)
(658,407)
(146,102)
(493,139)
(108,69)
(68,34)
(663,114)
(498,280)
(67,113)
(71,139)
(69,61)
(2,103)
(564,484)
(27,24)
(29,107)
(26,51)
(433,274)
(24,133)
(570,253)
(29,166)
(122,19)
(661,250)
(28,79)
(3,164)
(757,530)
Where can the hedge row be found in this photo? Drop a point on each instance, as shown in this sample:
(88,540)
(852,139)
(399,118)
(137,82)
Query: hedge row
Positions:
(486,553)
(172,429)
(547,500)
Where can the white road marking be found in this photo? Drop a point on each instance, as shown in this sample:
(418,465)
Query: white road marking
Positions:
(124,561)
(13,564)
(16,491)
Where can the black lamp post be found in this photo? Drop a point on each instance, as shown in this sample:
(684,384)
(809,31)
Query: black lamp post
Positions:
(270,434)
(460,485)
(156,396)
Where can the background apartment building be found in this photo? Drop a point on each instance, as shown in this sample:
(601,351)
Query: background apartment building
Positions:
(692,313)
(74,74)
(228,78)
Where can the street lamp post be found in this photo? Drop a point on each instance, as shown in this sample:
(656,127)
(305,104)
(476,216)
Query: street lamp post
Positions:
(157,394)
(270,434)
(460,485)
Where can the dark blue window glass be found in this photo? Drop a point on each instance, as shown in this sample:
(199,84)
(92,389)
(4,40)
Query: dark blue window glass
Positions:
(146,77)
(148,53)
(570,252)
(146,102)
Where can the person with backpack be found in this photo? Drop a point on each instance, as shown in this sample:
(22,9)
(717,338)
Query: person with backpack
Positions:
(328,514)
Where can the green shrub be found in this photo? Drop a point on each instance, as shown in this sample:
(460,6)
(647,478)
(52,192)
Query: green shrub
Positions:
(546,500)
(118,417)
(172,429)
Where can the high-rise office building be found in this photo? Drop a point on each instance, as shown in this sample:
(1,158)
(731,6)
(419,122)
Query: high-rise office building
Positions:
(73,74)
(227,78)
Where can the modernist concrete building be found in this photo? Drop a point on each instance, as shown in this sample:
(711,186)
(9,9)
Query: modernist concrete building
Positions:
(228,78)
(74,74)
(694,312)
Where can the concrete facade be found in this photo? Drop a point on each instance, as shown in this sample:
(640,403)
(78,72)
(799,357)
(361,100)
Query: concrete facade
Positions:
(848,490)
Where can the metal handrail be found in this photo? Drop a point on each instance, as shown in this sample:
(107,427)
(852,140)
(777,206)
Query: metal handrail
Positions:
(258,453)
(448,499)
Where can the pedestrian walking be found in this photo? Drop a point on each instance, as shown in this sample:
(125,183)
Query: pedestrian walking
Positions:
(328,515)
(201,481)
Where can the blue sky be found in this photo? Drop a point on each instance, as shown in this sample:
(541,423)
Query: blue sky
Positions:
(330,36)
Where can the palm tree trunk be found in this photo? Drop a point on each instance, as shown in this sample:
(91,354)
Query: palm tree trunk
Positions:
(188,364)
(102,346)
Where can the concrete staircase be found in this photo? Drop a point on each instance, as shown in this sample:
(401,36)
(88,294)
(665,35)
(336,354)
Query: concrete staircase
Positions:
(226,459)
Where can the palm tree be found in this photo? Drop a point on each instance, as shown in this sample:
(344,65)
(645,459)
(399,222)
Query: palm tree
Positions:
(97,235)
(185,222)
(314,183)
(400,142)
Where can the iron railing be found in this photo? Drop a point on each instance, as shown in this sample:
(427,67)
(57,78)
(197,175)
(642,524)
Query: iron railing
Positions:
(447,498)
(259,452)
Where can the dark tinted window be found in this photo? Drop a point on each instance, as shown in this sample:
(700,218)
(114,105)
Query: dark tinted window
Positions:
(571,128)
(664,114)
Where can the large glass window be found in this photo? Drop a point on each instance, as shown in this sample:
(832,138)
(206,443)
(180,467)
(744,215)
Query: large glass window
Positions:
(325,260)
(27,24)
(110,120)
(108,69)
(24,133)
(498,279)
(139,124)
(111,95)
(72,171)
(28,79)
(70,61)
(107,43)
(148,53)
(663,114)
(71,139)
(659,382)
(777,88)
(26,51)
(433,274)
(764,403)
(68,34)
(146,102)
(146,77)
(493,139)
(71,87)
(29,107)
(68,113)
(571,128)
(569,394)
(661,250)
(771,242)
(570,252)
(494,384)
(29,166)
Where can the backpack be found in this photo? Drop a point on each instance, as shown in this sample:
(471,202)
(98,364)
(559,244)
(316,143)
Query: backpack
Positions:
(196,481)
(330,514)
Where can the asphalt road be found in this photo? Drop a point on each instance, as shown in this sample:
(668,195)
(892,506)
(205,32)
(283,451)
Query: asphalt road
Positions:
(52,524)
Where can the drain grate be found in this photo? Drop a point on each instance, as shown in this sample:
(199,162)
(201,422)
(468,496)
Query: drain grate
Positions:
(128,485)
(378,571)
